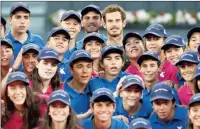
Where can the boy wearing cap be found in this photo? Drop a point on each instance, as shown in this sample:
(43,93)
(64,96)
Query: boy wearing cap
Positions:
(19,34)
(140,123)
(3,28)
(187,64)
(81,69)
(59,39)
(193,37)
(112,62)
(167,114)
(134,47)
(91,21)
(103,106)
(129,104)
(71,21)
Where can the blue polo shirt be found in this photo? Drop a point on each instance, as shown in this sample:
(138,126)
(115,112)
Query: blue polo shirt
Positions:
(80,102)
(63,69)
(179,121)
(70,52)
(99,82)
(115,124)
(143,112)
(80,43)
(32,38)
(181,80)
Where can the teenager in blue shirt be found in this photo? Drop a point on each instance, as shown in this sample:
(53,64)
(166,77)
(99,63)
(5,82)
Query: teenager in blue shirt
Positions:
(112,62)
(103,107)
(129,105)
(167,115)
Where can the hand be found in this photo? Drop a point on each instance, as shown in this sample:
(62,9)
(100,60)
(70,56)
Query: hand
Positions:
(121,117)
(170,83)
(119,85)
(2,107)
(18,60)
(101,74)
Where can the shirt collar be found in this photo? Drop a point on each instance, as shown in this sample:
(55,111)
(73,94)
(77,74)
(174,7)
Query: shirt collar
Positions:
(29,39)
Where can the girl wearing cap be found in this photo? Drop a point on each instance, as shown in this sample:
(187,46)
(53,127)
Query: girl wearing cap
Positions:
(194,112)
(134,48)
(93,43)
(21,109)
(194,38)
(60,114)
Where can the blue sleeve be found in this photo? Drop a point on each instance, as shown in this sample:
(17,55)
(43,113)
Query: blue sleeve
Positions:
(94,84)
(39,41)
(176,96)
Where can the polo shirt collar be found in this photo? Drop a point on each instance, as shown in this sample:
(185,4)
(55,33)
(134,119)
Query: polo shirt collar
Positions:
(29,39)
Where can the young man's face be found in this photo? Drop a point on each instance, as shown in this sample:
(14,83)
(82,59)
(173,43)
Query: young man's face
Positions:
(164,109)
(91,22)
(3,31)
(194,114)
(82,71)
(187,70)
(134,47)
(112,64)
(173,53)
(154,43)
(94,48)
(29,60)
(103,111)
(149,69)
(20,21)
(6,55)
(194,41)
(72,26)
(114,24)
(59,42)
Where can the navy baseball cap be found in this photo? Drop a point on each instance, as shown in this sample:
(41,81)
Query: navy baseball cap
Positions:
(7,42)
(189,56)
(161,91)
(191,31)
(80,55)
(174,40)
(140,123)
(131,34)
(110,49)
(197,71)
(148,54)
(17,76)
(195,98)
(132,80)
(19,6)
(89,8)
(3,21)
(155,29)
(103,94)
(30,46)
(92,36)
(48,53)
(71,14)
(59,30)
(59,95)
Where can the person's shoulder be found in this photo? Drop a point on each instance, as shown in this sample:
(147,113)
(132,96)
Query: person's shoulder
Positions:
(182,89)
(119,124)
(86,123)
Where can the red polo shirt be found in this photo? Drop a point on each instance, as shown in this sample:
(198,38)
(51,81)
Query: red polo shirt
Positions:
(184,94)
(15,122)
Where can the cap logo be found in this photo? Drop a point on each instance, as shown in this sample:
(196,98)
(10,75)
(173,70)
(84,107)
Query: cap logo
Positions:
(103,91)
(139,122)
(18,75)
(31,45)
(152,27)
(161,89)
(134,79)
(186,54)
(85,53)
(60,94)
(197,97)
(51,52)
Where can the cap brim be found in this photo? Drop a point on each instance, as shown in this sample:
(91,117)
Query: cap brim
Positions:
(88,9)
(61,100)
(61,32)
(3,21)
(112,50)
(100,40)
(50,57)
(195,29)
(132,83)
(20,8)
(153,33)
(161,97)
(102,98)
(196,75)
(128,35)
(30,49)
(185,60)
(141,58)
(74,16)
(17,80)
(81,59)
(165,46)
(7,43)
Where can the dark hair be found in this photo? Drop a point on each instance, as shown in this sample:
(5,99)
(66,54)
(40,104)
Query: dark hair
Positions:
(31,113)
(78,60)
(37,82)
(168,47)
(150,58)
(72,121)
(196,89)
(31,51)
(107,53)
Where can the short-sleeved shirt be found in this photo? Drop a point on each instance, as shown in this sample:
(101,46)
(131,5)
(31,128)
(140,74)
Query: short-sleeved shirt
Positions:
(184,94)
(80,102)
(179,121)
(115,124)
(181,80)
(143,112)
(63,69)
(99,82)
(70,52)
(133,70)
(15,122)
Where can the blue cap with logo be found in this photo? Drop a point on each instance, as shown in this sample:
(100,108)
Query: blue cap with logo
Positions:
(189,56)
(19,6)
(194,99)
(148,54)
(89,8)
(161,91)
(140,123)
(110,49)
(59,95)
(174,40)
(3,21)
(197,71)
(132,80)
(48,53)
(155,29)
(92,36)
(59,30)
(17,76)
(71,14)
(191,31)
(30,46)
(7,42)
(103,94)
(80,55)
(131,34)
